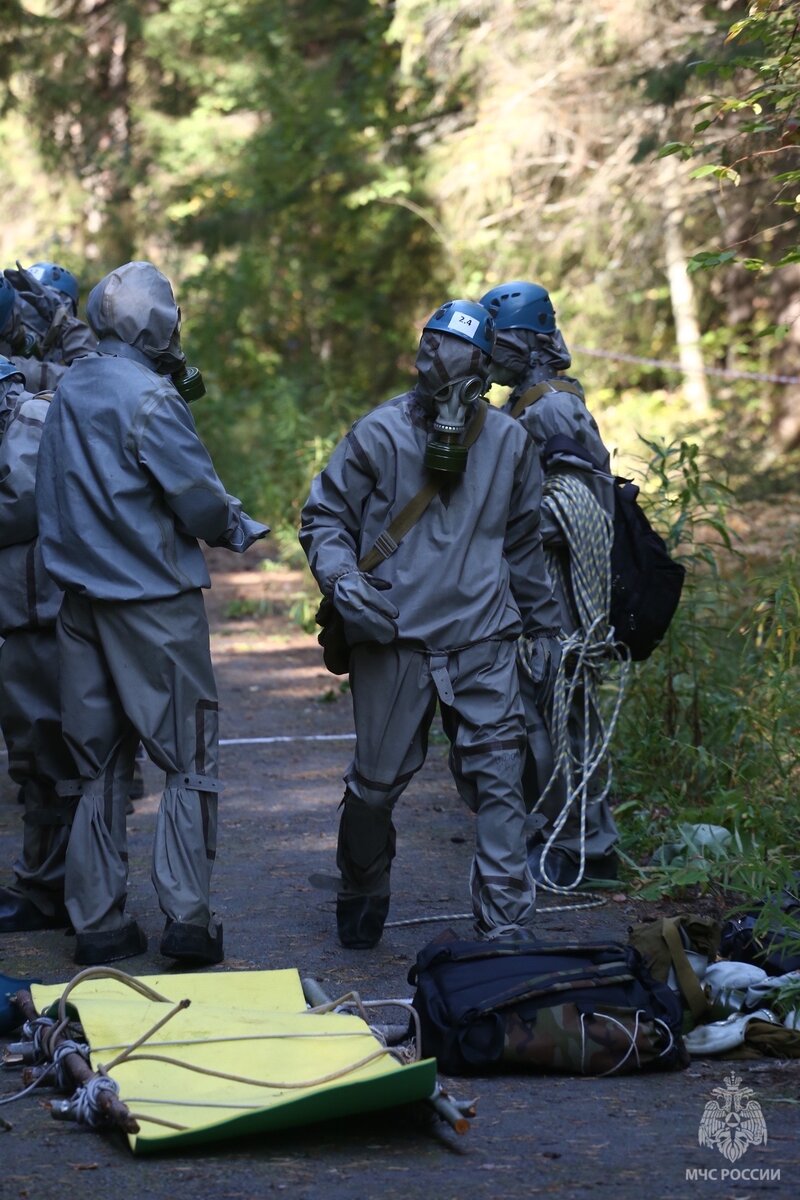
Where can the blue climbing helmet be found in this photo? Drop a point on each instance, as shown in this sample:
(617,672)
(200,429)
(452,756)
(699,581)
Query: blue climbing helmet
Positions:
(519,305)
(51,275)
(8,298)
(465,319)
(8,369)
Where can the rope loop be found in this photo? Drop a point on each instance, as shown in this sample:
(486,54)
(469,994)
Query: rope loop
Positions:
(580,735)
(88,1105)
(63,1077)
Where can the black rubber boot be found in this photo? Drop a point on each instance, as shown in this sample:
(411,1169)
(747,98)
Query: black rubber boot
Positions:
(360,920)
(192,944)
(20,915)
(364,857)
(110,945)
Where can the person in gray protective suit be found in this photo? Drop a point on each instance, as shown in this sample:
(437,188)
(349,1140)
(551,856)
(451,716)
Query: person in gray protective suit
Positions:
(125,488)
(530,355)
(19,346)
(47,299)
(437,618)
(30,715)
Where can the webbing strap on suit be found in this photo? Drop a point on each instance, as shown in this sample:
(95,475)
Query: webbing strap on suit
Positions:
(540,389)
(390,539)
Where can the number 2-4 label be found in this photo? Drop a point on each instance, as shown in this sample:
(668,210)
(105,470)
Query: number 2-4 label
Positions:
(464,324)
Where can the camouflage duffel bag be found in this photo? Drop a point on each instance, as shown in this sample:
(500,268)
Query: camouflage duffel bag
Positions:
(581,1009)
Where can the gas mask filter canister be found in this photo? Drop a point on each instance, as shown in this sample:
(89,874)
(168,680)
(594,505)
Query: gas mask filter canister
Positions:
(189,383)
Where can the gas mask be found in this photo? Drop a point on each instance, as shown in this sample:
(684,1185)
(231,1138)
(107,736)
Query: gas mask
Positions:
(188,382)
(450,404)
(511,356)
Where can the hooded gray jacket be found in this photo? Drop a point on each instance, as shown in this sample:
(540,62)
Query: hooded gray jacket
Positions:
(125,486)
(472,568)
(28,597)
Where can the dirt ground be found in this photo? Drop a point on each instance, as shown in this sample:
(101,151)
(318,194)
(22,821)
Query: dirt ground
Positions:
(625,1137)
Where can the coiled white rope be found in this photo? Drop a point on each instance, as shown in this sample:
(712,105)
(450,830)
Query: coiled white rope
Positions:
(589,656)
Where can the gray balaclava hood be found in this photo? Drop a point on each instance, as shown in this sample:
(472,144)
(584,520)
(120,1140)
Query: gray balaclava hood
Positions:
(524,351)
(134,304)
(442,358)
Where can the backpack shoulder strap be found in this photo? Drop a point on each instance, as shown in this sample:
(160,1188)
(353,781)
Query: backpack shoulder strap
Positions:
(560,443)
(540,389)
(688,982)
(388,541)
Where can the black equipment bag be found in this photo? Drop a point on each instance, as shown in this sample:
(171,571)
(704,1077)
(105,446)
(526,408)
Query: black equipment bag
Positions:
(646,582)
(776,944)
(585,1009)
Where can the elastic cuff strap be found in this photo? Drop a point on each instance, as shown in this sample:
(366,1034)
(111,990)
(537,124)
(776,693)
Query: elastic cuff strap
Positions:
(196,783)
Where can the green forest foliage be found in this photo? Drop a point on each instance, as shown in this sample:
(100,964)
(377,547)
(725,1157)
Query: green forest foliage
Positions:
(316,177)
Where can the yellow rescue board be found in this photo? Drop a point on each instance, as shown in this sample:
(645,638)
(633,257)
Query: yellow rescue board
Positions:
(292,1067)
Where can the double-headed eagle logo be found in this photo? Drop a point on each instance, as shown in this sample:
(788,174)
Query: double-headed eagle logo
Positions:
(734,1121)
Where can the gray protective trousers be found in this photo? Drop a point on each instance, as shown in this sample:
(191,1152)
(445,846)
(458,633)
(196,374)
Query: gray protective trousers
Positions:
(395,690)
(37,758)
(135,672)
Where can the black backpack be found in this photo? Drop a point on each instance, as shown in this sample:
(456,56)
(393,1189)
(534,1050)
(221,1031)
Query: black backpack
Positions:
(583,1009)
(645,582)
(776,946)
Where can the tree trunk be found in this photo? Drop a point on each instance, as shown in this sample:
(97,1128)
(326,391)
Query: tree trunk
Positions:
(682,296)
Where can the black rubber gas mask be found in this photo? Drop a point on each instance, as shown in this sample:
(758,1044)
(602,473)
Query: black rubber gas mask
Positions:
(450,405)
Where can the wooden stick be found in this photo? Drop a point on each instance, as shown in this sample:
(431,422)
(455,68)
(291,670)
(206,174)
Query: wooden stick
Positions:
(114,1109)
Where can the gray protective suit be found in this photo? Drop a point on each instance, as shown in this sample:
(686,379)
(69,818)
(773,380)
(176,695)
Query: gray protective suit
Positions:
(39,376)
(30,714)
(562,412)
(125,488)
(465,582)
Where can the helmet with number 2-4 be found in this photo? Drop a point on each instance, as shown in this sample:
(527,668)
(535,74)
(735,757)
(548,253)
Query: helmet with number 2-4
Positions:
(520,305)
(467,320)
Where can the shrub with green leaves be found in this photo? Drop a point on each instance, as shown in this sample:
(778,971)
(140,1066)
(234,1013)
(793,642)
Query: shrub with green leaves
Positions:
(708,733)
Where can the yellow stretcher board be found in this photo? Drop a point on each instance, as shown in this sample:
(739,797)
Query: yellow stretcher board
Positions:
(251,1024)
